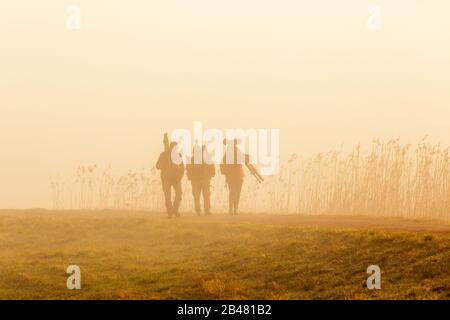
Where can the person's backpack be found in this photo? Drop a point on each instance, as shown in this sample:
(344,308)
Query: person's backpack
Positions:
(224,169)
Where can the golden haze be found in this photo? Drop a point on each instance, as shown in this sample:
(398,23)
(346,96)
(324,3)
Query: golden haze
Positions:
(106,93)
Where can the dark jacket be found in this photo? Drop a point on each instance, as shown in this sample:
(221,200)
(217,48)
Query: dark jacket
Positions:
(201,171)
(233,171)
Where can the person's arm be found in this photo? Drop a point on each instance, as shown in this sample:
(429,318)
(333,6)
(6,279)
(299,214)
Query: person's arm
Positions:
(223,167)
(189,171)
(212,170)
(181,169)
(159,162)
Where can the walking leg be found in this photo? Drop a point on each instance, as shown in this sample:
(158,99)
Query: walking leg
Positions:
(196,190)
(237,196)
(177,200)
(230,198)
(206,191)
(167,189)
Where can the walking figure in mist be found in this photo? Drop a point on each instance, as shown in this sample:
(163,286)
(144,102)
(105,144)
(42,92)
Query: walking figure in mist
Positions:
(200,171)
(231,168)
(171,175)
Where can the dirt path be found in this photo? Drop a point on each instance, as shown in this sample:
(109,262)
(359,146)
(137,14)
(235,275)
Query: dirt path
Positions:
(327,221)
(353,222)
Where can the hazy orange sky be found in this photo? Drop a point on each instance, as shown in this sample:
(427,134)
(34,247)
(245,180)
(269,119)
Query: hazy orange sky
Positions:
(104,94)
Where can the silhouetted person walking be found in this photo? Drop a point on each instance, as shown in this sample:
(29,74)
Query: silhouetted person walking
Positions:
(200,175)
(171,175)
(233,171)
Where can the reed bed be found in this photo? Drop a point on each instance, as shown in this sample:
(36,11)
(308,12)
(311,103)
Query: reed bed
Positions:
(388,179)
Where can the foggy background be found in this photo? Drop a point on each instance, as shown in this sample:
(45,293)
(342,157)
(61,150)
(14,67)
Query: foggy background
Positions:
(106,93)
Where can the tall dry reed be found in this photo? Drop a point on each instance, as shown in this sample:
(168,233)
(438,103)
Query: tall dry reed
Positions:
(390,179)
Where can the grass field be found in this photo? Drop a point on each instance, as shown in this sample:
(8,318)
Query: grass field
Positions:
(125,255)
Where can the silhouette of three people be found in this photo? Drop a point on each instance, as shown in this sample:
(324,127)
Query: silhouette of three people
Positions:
(200,170)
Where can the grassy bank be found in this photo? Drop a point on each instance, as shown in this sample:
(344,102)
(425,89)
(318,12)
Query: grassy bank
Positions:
(146,256)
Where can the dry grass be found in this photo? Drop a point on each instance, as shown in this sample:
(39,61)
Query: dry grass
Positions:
(390,180)
(136,255)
